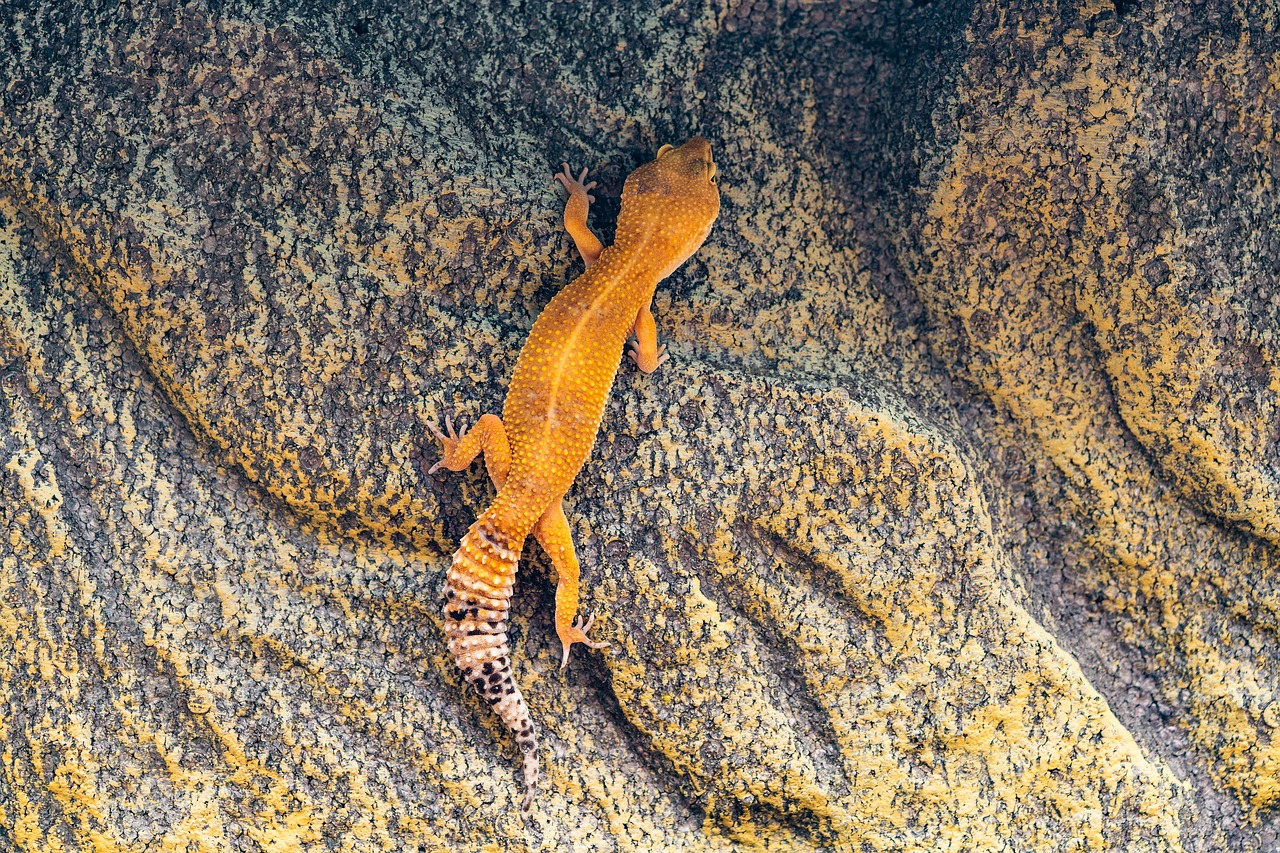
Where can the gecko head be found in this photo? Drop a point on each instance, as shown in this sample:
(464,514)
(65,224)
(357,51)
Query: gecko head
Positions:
(672,201)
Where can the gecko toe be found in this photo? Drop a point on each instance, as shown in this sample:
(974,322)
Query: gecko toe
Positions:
(565,177)
(583,628)
(576,185)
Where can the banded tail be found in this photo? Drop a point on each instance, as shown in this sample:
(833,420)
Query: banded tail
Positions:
(477,597)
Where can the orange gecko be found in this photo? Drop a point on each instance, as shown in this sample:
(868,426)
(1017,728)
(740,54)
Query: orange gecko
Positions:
(553,412)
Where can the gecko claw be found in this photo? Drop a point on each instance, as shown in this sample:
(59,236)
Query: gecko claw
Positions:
(578,634)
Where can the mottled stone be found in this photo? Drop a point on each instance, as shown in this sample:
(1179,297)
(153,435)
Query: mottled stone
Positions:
(950,525)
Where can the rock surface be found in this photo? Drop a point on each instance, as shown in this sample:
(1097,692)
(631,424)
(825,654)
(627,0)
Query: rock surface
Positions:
(950,525)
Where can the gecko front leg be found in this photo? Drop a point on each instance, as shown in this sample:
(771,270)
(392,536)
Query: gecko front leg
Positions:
(575,214)
(644,349)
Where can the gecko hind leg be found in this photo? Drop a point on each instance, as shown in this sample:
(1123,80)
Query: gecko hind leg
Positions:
(552,533)
(488,436)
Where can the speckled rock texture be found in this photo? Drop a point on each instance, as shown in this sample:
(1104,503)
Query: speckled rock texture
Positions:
(951,525)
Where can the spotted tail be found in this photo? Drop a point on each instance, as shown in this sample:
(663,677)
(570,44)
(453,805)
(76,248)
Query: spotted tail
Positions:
(477,597)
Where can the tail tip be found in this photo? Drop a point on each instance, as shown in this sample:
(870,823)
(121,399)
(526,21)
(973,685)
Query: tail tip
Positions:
(530,782)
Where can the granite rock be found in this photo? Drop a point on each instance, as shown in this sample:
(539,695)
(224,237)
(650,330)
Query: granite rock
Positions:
(950,525)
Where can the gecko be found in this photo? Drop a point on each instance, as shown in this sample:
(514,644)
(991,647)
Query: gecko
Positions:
(553,411)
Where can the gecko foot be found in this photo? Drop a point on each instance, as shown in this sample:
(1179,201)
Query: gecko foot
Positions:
(633,353)
(577,633)
(573,185)
(449,440)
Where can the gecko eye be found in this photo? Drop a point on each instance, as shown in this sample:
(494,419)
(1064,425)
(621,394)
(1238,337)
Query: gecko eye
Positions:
(664,149)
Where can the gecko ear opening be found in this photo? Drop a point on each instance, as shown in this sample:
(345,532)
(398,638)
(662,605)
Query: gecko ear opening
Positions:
(664,149)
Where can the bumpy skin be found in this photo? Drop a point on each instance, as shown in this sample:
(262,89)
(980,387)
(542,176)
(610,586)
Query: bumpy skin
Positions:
(553,411)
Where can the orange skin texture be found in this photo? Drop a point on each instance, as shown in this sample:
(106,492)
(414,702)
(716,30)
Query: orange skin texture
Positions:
(553,410)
